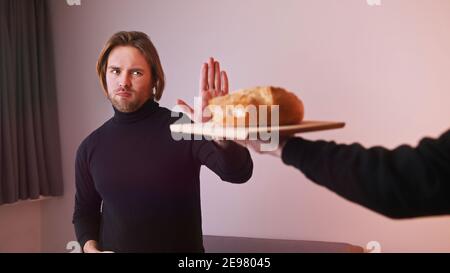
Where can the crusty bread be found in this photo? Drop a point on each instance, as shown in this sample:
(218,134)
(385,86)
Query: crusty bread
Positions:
(291,110)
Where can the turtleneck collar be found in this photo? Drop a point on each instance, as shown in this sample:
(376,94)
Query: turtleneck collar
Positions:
(149,107)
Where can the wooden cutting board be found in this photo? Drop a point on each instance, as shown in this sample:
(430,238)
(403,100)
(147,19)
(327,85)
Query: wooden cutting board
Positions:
(240,133)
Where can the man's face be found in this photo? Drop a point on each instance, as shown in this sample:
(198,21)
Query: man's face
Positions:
(128,78)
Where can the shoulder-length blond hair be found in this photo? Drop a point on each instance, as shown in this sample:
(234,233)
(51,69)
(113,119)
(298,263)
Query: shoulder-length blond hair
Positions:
(142,42)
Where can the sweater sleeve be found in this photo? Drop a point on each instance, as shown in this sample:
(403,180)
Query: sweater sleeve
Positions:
(86,217)
(231,163)
(400,183)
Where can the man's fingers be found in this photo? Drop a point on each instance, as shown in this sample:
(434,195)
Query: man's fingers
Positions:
(204,77)
(206,96)
(217,83)
(211,71)
(224,82)
(188,110)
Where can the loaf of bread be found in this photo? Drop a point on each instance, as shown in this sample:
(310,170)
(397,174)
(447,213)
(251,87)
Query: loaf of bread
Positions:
(244,107)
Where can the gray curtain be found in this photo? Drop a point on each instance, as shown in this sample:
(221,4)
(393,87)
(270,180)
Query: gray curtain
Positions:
(30,157)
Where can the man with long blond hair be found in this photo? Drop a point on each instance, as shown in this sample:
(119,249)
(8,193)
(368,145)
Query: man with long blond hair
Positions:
(137,189)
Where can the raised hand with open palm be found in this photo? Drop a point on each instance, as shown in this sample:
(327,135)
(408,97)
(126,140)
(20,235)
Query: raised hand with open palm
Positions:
(213,83)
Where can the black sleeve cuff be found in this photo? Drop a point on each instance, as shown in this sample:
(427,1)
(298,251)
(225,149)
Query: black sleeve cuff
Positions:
(292,151)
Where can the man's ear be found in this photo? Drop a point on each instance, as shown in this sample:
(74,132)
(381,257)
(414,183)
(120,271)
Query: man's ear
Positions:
(153,88)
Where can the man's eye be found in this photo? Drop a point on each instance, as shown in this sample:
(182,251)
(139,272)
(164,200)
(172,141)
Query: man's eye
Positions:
(137,73)
(115,71)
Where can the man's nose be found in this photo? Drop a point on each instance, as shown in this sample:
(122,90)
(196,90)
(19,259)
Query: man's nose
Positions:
(124,81)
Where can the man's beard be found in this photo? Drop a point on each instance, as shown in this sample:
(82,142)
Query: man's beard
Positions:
(127,106)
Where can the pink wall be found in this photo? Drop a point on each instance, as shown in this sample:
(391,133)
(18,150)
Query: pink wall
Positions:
(382,69)
(20,227)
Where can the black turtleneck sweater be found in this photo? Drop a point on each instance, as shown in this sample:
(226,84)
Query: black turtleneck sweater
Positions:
(138,189)
(400,183)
